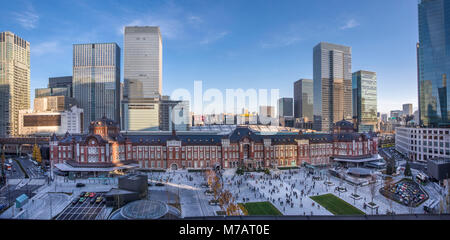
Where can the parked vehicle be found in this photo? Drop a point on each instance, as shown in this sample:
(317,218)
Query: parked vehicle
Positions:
(99,199)
(92,194)
(82,199)
(82,194)
(75,201)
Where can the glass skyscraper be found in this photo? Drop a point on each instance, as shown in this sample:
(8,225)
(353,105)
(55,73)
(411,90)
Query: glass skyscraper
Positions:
(285,107)
(96,80)
(303,99)
(433,60)
(332,75)
(364,84)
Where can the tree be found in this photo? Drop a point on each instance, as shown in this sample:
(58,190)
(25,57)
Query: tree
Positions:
(37,154)
(35,147)
(388,183)
(373,188)
(407,169)
(390,166)
(216,187)
(3,167)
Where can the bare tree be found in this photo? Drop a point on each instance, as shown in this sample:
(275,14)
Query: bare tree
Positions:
(387,187)
(373,189)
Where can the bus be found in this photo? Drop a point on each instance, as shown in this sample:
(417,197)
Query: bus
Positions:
(421,178)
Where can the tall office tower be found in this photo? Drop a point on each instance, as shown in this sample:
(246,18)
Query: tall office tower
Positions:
(364,84)
(14,81)
(285,107)
(407,109)
(384,117)
(303,99)
(96,80)
(332,65)
(142,78)
(433,63)
(61,82)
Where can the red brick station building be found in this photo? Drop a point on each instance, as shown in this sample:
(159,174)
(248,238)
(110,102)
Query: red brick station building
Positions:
(106,148)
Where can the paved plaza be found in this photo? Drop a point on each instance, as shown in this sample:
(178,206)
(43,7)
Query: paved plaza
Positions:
(288,190)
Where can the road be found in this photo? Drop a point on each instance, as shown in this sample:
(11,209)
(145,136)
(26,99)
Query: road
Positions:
(15,172)
(32,170)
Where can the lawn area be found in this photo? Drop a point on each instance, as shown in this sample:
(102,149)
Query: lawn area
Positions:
(336,205)
(261,208)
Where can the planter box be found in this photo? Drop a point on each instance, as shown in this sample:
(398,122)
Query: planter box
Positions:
(214,203)
(209,193)
(329,183)
(372,206)
(355,197)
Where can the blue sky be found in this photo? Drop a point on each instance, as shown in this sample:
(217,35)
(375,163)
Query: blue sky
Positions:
(229,43)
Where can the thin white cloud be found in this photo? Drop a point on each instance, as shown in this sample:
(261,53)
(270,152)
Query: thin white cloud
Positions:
(281,41)
(194,19)
(214,37)
(46,48)
(27,19)
(352,23)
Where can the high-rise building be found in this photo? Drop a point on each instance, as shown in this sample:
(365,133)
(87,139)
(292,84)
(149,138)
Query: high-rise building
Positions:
(396,114)
(433,63)
(332,75)
(364,88)
(267,111)
(61,82)
(96,80)
(407,109)
(285,112)
(142,78)
(384,117)
(303,99)
(285,107)
(174,115)
(142,62)
(14,81)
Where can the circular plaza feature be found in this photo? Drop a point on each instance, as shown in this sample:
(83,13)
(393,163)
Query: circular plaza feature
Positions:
(144,209)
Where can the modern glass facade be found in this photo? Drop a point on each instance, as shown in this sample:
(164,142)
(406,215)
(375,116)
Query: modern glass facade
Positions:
(285,107)
(303,99)
(433,60)
(332,75)
(364,87)
(61,82)
(96,80)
